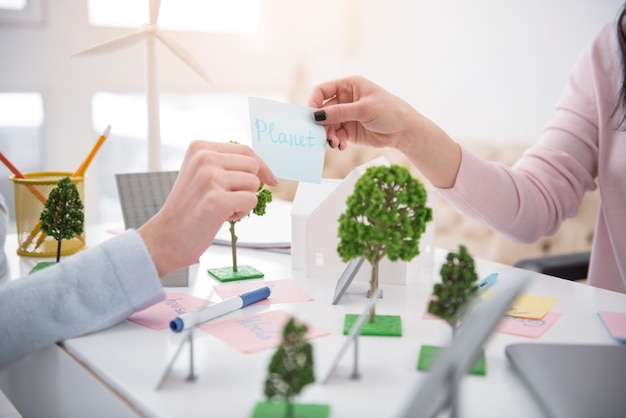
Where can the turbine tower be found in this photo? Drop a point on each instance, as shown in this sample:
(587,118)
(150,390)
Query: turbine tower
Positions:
(149,34)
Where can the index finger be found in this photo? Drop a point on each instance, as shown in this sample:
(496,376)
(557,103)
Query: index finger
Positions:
(263,173)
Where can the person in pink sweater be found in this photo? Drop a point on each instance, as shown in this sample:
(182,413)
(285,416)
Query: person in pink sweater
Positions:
(583,147)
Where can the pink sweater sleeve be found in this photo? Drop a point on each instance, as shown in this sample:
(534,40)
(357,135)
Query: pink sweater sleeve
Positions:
(547,184)
(584,143)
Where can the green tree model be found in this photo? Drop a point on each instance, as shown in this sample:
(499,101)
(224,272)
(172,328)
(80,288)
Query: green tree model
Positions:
(385,216)
(291,366)
(457,286)
(63,215)
(264,197)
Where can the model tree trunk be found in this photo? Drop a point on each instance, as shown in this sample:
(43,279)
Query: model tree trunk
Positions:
(264,197)
(59,241)
(233,244)
(373,289)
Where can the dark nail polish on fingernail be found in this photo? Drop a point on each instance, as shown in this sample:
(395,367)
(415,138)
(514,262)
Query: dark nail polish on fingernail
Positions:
(320,115)
(330,142)
(339,146)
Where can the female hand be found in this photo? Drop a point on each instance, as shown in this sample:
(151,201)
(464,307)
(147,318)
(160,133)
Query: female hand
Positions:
(354,109)
(217,182)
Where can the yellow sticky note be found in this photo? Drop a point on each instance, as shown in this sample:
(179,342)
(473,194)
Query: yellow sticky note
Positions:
(531,306)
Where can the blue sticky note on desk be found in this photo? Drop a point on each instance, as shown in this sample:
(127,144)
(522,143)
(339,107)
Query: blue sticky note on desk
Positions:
(286,137)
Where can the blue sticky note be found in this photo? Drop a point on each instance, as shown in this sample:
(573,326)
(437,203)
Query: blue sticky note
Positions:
(286,137)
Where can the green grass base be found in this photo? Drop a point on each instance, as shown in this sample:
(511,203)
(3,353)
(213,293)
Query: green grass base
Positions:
(42,265)
(279,409)
(226,274)
(429,353)
(385,325)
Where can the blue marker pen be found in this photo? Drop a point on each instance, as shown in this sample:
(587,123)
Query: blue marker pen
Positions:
(487,281)
(206,313)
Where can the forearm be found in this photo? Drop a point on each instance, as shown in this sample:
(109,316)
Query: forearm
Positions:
(84,293)
(432,151)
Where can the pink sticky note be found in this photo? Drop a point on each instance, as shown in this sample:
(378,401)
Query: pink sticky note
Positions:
(256,332)
(523,327)
(281,291)
(615,322)
(159,315)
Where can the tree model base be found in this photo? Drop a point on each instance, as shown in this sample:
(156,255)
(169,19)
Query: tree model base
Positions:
(279,409)
(429,353)
(226,274)
(42,265)
(385,325)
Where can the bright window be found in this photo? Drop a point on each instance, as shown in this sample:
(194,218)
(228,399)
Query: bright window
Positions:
(21,12)
(223,16)
(13,4)
(21,110)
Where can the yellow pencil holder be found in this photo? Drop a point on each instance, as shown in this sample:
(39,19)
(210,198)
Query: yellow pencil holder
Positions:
(31,194)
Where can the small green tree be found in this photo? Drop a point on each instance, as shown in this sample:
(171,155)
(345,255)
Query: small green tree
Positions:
(291,366)
(458,285)
(264,197)
(385,216)
(63,215)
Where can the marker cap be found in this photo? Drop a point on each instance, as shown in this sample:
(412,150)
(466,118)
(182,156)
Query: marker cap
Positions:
(177,325)
(255,295)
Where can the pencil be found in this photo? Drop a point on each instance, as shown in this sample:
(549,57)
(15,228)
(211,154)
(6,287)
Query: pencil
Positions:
(80,171)
(19,175)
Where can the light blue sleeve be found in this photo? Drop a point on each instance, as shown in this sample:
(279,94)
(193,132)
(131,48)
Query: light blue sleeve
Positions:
(86,292)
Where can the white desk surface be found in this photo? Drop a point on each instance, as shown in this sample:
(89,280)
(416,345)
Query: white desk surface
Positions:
(128,360)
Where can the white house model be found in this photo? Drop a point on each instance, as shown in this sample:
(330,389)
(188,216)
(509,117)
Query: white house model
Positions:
(314,225)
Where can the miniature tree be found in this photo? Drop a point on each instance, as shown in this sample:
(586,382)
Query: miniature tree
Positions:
(264,197)
(457,286)
(385,216)
(291,366)
(62,215)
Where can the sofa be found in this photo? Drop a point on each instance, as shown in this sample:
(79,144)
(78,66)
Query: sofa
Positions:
(453,228)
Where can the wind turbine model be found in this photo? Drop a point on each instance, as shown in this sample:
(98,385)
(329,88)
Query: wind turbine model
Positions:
(149,33)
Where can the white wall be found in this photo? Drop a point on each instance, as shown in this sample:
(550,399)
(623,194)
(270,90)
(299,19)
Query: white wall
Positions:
(483,69)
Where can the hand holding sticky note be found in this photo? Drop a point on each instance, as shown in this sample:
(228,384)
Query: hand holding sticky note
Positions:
(288,140)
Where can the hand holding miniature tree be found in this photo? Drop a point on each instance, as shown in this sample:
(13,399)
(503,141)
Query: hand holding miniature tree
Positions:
(385,216)
(291,367)
(457,286)
(63,216)
(264,197)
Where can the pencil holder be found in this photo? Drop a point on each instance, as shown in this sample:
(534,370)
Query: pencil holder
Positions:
(31,194)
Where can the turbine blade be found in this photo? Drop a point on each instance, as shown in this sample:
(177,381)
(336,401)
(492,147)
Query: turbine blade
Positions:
(184,56)
(116,44)
(155,6)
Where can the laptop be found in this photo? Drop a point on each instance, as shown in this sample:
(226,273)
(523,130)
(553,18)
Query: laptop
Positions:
(573,380)
(440,388)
